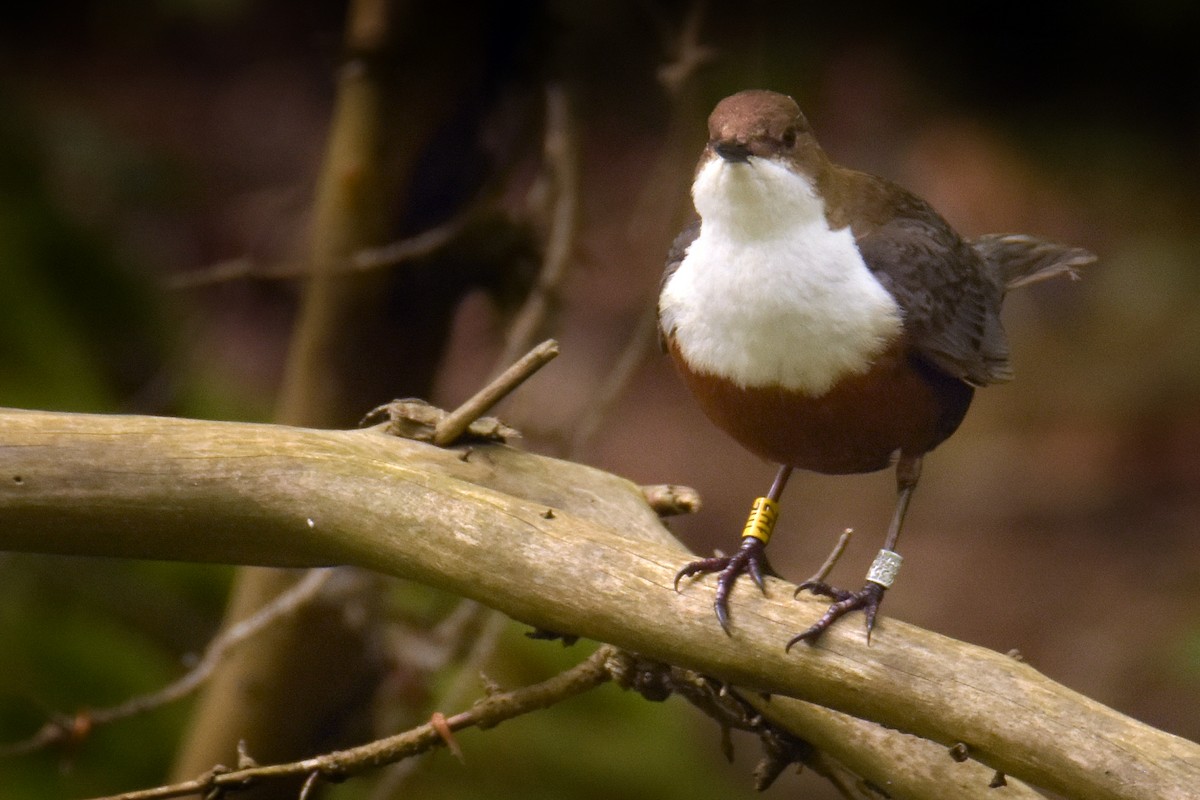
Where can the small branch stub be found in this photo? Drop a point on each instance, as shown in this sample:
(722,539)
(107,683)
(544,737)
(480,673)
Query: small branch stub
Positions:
(457,421)
(834,556)
(671,500)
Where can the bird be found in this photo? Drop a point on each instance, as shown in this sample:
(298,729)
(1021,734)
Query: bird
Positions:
(829,320)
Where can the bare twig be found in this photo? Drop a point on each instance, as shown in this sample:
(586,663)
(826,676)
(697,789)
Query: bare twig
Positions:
(420,245)
(481,650)
(832,559)
(399,252)
(309,783)
(63,728)
(563,169)
(232,269)
(617,380)
(482,647)
(438,721)
(689,54)
(454,424)
(487,713)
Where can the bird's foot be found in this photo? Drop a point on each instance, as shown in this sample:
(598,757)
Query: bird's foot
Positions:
(750,558)
(867,598)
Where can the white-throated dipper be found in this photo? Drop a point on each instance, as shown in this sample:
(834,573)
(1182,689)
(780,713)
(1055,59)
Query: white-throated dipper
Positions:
(830,320)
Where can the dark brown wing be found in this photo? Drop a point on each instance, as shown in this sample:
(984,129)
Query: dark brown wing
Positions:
(949,295)
(675,257)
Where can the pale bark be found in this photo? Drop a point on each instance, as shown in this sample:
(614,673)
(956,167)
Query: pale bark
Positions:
(566,548)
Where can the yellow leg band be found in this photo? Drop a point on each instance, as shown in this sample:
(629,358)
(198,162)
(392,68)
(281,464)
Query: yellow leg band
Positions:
(762,518)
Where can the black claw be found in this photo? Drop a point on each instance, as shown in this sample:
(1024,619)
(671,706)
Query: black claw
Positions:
(868,599)
(824,590)
(756,574)
(722,609)
(870,611)
(750,558)
(701,567)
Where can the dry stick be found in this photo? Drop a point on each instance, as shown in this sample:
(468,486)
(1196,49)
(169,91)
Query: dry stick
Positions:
(455,424)
(689,55)
(63,727)
(309,783)
(231,269)
(834,555)
(658,208)
(487,713)
(286,603)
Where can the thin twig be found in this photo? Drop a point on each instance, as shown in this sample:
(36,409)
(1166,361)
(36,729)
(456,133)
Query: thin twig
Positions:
(420,245)
(617,380)
(454,424)
(482,647)
(232,269)
(831,561)
(393,254)
(561,162)
(689,54)
(487,713)
(309,783)
(62,728)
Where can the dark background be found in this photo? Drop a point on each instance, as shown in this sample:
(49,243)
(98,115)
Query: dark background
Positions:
(140,142)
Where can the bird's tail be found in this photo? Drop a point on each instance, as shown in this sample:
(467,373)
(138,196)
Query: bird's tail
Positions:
(1021,259)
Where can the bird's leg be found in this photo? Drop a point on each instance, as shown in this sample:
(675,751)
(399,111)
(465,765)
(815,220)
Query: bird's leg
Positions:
(751,555)
(883,569)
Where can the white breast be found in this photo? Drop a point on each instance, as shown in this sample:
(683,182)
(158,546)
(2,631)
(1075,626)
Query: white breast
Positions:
(768,295)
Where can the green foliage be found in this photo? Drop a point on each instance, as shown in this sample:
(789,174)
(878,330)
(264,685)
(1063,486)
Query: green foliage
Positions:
(78,330)
(82,634)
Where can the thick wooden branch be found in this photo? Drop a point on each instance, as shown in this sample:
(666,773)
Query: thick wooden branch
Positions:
(563,547)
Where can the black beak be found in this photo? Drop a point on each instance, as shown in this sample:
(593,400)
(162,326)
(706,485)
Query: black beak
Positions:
(732,151)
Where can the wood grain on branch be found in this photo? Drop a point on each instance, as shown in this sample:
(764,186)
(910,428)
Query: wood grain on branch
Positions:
(600,566)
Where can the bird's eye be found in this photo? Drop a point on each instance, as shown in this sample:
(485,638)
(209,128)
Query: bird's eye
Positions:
(789,137)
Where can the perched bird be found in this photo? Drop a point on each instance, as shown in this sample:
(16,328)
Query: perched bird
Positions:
(830,320)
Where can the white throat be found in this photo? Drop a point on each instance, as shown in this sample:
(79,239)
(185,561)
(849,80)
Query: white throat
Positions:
(767,294)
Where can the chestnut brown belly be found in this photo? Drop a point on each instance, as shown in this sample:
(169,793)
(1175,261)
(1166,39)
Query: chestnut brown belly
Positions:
(899,404)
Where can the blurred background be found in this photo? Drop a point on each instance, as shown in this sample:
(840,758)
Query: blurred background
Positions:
(158,163)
